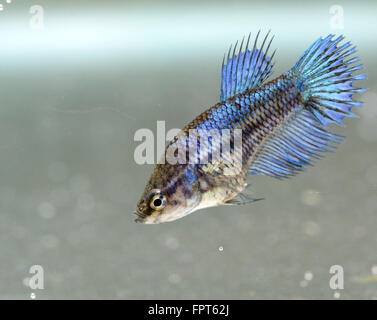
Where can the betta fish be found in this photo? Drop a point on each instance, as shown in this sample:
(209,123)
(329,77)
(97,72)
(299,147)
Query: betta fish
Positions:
(283,126)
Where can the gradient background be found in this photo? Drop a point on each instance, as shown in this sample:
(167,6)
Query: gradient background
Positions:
(72,97)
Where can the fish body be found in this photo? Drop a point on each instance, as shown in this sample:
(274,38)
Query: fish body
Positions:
(274,128)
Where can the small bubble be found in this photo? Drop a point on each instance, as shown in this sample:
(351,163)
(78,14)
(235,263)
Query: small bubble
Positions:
(336,295)
(172,242)
(308,276)
(374,270)
(46,210)
(311,228)
(221,248)
(311,197)
(174,278)
(32,295)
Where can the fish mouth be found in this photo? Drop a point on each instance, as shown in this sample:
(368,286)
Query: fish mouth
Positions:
(140,216)
(139,220)
(146,218)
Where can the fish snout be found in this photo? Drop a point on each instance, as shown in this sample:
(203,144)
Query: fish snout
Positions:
(140,216)
(139,220)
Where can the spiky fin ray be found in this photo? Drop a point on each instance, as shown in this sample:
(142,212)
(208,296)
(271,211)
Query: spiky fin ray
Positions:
(246,69)
(293,146)
(325,80)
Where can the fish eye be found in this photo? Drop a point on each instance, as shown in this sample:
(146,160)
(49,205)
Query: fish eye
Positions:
(158,202)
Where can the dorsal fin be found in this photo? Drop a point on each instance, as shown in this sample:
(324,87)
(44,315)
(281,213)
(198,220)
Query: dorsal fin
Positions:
(246,69)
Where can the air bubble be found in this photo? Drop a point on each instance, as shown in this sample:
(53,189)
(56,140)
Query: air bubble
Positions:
(311,197)
(308,276)
(46,210)
(174,278)
(374,270)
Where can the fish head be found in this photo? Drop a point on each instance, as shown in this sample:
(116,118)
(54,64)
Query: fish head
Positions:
(167,200)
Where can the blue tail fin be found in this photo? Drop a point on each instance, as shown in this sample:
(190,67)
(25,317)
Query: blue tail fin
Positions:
(324,78)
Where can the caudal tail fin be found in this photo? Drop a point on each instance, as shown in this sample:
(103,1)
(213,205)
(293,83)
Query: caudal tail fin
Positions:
(324,78)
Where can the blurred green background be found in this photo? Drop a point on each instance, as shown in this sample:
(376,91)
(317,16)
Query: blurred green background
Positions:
(72,96)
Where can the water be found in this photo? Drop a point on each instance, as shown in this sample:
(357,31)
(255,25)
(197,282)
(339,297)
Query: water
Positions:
(72,97)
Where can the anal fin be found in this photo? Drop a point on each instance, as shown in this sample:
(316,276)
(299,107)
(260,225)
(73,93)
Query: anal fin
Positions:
(242,199)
